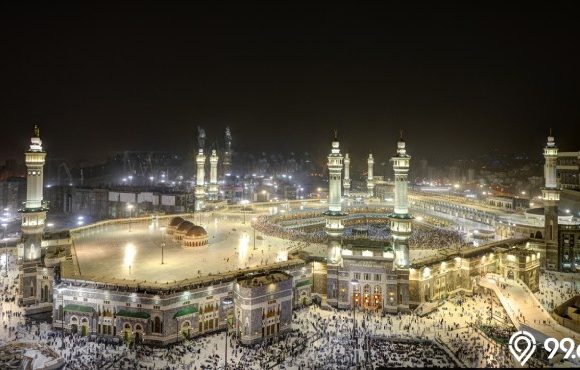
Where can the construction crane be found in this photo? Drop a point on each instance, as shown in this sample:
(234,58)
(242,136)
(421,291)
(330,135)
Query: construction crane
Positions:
(63,165)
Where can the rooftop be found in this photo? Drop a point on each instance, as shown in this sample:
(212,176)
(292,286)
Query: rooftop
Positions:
(264,279)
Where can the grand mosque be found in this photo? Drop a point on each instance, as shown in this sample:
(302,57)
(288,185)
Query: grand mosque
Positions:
(162,278)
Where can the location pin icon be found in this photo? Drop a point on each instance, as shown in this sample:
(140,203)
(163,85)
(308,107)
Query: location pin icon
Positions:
(522,345)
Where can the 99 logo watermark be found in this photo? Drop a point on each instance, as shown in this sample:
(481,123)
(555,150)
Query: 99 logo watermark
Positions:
(522,345)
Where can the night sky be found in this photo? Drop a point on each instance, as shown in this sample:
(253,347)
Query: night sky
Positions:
(459,80)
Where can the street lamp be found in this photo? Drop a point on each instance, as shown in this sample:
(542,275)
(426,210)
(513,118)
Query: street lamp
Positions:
(129,208)
(226,303)
(354,283)
(254,226)
(244,203)
(5,249)
(162,243)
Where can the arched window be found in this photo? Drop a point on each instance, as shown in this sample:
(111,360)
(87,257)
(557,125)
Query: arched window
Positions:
(45,293)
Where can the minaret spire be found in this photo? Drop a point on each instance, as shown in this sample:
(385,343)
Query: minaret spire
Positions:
(401,220)
(551,198)
(334,215)
(33,216)
(346,181)
(213,178)
(200,178)
(370,177)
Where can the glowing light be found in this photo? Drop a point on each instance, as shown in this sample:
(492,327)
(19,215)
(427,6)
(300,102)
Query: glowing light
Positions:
(129,254)
(282,256)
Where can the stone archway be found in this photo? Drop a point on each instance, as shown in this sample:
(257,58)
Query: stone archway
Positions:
(186,329)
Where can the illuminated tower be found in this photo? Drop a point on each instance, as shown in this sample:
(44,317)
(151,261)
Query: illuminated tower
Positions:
(370,178)
(227,163)
(34,211)
(346,181)
(334,215)
(35,280)
(200,178)
(213,182)
(551,197)
(400,219)
(200,181)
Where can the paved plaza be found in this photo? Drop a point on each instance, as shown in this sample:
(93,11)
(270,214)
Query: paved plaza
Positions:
(135,252)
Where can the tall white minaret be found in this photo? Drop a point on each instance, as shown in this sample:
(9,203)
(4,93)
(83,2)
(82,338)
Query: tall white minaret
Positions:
(213,182)
(551,197)
(370,177)
(200,181)
(400,219)
(346,181)
(34,211)
(334,215)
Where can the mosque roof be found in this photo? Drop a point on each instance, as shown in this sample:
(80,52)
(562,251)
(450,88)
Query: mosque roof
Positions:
(175,221)
(185,226)
(196,231)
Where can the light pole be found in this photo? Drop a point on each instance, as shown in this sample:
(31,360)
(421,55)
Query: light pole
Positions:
(130,208)
(254,221)
(226,303)
(162,243)
(5,249)
(354,283)
(244,203)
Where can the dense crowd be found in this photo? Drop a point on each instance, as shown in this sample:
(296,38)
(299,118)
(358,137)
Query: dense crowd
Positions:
(421,237)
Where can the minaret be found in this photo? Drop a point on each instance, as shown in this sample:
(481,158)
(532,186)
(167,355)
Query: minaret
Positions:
(227,163)
(33,288)
(334,215)
(551,197)
(400,219)
(370,178)
(213,182)
(346,181)
(401,224)
(34,211)
(200,181)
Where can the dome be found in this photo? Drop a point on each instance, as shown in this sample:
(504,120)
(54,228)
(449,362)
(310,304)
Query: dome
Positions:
(184,226)
(175,221)
(197,231)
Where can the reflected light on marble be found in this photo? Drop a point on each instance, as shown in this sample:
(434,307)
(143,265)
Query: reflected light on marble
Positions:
(243,247)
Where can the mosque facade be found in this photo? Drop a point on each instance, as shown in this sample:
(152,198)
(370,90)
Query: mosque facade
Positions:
(368,276)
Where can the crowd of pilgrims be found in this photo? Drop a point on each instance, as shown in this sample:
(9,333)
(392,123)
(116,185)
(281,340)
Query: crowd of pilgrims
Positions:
(461,330)
(319,339)
(554,291)
(421,236)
